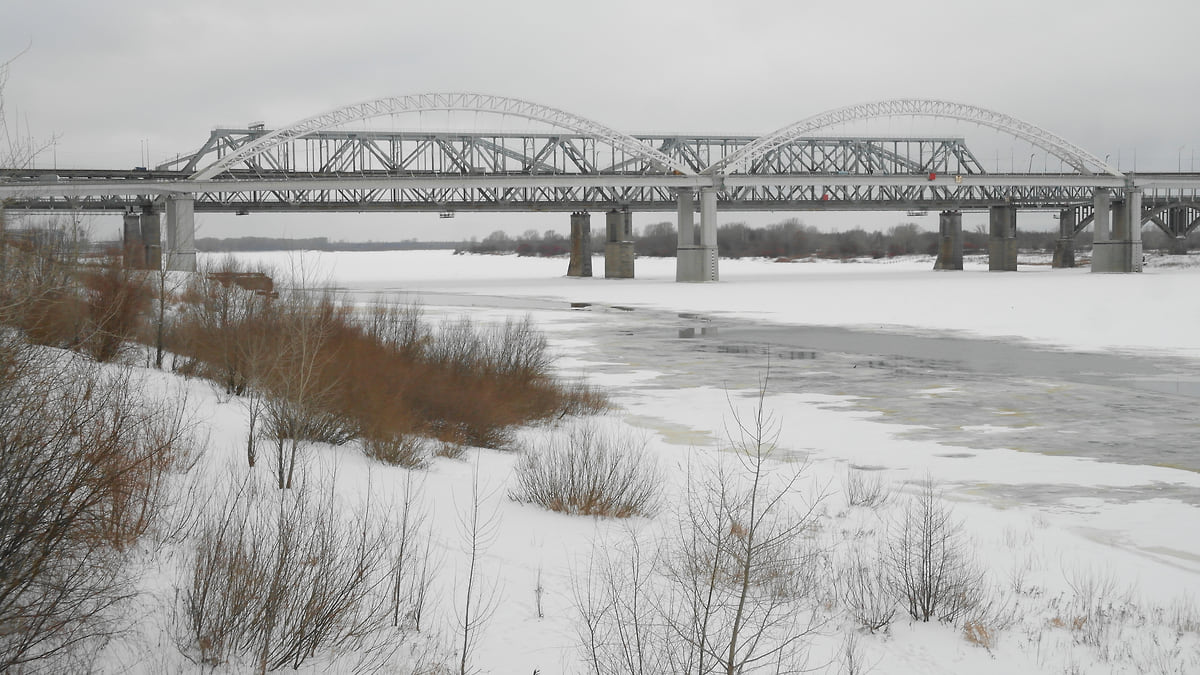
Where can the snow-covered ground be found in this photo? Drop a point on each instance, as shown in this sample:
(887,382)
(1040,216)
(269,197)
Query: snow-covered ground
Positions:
(1141,550)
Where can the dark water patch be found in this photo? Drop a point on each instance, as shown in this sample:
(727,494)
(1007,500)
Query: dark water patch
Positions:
(887,351)
(765,351)
(1056,493)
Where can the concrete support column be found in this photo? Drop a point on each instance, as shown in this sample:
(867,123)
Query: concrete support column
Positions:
(618,246)
(698,262)
(133,247)
(1123,252)
(1177,224)
(581,245)
(685,212)
(181,234)
(1133,229)
(1064,248)
(950,246)
(708,217)
(1002,239)
(1120,221)
(1102,207)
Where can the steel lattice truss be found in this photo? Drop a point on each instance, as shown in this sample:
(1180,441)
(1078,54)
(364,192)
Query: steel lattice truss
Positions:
(455,102)
(336,153)
(1078,158)
(414,155)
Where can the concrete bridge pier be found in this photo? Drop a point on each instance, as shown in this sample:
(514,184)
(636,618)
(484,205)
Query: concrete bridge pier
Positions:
(581,245)
(1122,252)
(181,234)
(151,224)
(618,246)
(1064,248)
(1177,228)
(133,247)
(697,260)
(950,244)
(1002,239)
(142,239)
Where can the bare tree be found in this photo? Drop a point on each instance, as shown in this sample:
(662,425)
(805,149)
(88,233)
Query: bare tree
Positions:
(731,588)
(620,604)
(930,559)
(298,384)
(478,530)
(411,574)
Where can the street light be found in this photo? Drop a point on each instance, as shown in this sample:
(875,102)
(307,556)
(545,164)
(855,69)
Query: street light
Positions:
(1030,170)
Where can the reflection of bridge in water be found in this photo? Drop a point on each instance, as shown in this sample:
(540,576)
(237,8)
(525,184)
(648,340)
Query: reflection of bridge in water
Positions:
(573,164)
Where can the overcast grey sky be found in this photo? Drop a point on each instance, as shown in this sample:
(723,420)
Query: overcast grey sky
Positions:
(110,78)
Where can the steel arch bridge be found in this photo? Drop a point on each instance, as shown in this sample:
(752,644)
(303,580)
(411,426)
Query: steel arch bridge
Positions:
(573,163)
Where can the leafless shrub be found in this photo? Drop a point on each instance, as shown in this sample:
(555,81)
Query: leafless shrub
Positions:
(866,591)
(399,327)
(278,579)
(866,488)
(727,590)
(852,659)
(449,450)
(227,332)
(515,349)
(588,471)
(39,289)
(579,398)
(930,561)
(407,450)
(301,381)
(329,375)
(82,464)
(116,299)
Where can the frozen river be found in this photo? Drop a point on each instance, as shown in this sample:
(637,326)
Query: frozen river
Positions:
(964,392)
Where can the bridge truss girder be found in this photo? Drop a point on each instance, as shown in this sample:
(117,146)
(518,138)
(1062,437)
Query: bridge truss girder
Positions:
(343,153)
(1176,218)
(573,198)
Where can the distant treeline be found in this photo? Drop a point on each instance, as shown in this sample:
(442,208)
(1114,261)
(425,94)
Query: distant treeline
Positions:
(789,239)
(214,245)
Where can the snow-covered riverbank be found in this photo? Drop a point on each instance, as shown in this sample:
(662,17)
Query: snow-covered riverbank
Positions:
(1104,579)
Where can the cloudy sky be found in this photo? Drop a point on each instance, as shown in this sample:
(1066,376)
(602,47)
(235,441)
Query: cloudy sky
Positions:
(111,79)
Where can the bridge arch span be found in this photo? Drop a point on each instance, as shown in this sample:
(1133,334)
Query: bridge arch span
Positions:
(462,102)
(1078,158)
